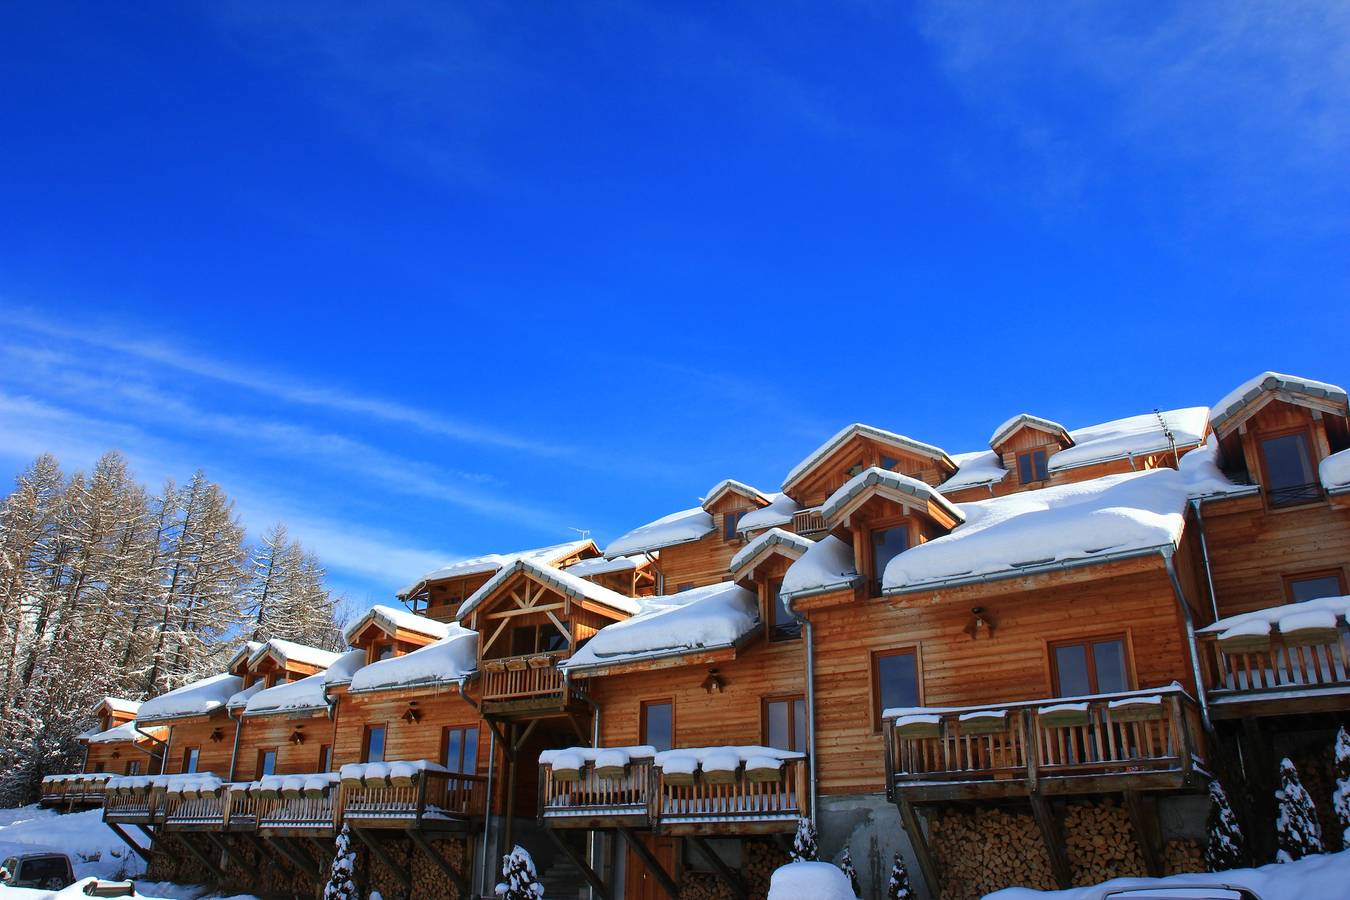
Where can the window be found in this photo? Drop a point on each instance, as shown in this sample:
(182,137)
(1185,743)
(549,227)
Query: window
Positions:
(459,749)
(785,723)
(658,724)
(527,639)
(887,544)
(782,626)
(190,755)
(1031,467)
(267,763)
(1089,667)
(372,749)
(1313,585)
(383,651)
(133,767)
(1288,464)
(730,521)
(326,758)
(895,681)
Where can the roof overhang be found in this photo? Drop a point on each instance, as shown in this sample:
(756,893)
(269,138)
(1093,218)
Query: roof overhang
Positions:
(774,542)
(1273,386)
(732,486)
(1037,423)
(886,438)
(908,492)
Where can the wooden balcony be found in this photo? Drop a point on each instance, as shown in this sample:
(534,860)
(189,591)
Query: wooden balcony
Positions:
(703,803)
(523,684)
(134,806)
(78,791)
(298,815)
(808,521)
(430,800)
(1141,740)
(1278,673)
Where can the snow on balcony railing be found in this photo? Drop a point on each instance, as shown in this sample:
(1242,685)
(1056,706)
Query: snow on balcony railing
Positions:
(521,677)
(1293,645)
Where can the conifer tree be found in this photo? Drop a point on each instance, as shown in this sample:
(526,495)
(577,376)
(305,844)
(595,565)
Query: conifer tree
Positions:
(1296,830)
(520,881)
(1224,848)
(897,888)
(341,875)
(846,864)
(804,846)
(1340,797)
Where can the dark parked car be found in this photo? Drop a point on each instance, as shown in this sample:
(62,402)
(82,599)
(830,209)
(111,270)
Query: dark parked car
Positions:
(1189,892)
(37,869)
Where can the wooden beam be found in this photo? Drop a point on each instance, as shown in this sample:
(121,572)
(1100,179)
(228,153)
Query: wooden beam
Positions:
(652,864)
(303,863)
(510,613)
(724,873)
(1147,832)
(142,852)
(592,878)
(1054,840)
(524,736)
(910,819)
(403,875)
(461,884)
(202,858)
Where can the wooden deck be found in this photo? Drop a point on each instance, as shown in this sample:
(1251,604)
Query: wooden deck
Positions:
(1136,741)
(1277,674)
(73,792)
(436,801)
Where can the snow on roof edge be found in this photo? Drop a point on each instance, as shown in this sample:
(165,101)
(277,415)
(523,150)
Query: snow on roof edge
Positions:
(878,476)
(878,434)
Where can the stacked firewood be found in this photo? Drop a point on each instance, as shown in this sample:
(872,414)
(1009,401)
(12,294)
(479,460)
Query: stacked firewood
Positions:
(703,886)
(758,860)
(1101,842)
(1183,855)
(988,849)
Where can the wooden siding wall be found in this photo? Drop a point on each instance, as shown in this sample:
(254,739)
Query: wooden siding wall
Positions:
(101,759)
(958,671)
(403,739)
(214,756)
(831,472)
(274,733)
(705,561)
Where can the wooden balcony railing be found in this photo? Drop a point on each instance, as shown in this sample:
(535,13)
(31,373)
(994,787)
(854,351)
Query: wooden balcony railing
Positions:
(1263,663)
(740,804)
(808,521)
(86,789)
(137,806)
(522,677)
(1044,744)
(431,796)
(626,798)
(301,813)
(191,812)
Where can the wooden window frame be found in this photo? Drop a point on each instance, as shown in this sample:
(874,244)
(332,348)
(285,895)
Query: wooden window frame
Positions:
(764,718)
(1288,580)
(1031,464)
(1127,647)
(874,678)
(865,565)
(445,746)
(771,633)
(1309,445)
(263,751)
(187,753)
(731,523)
(365,741)
(325,757)
(642,718)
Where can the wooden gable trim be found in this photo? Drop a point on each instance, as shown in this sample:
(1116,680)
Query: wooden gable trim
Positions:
(747,569)
(910,503)
(1244,413)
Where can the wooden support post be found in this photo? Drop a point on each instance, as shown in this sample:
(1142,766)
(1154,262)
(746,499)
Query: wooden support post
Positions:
(461,885)
(202,858)
(508,808)
(596,882)
(1054,840)
(724,873)
(910,819)
(219,843)
(305,865)
(652,864)
(404,877)
(142,852)
(1258,800)
(1147,830)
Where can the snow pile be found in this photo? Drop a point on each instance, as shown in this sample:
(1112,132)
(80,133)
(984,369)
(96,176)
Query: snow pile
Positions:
(978,469)
(119,705)
(827,565)
(809,881)
(1335,471)
(243,654)
(1324,875)
(676,528)
(379,772)
(347,665)
(881,436)
(780,511)
(1252,388)
(306,693)
(322,782)
(391,620)
(287,652)
(556,579)
(732,486)
(492,562)
(170,783)
(1132,436)
(451,659)
(94,849)
(595,755)
(589,568)
(716,615)
(194,784)
(795,543)
(197,699)
(686,760)
(125,732)
(1260,621)
(1005,431)
(894,483)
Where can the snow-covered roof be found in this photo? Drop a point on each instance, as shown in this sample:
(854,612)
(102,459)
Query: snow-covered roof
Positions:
(880,435)
(1274,616)
(774,537)
(347,664)
(196,699)
(888,482)
(287,652)
(701,618)
(391,619)
(1335,472)
(1249,390)
(1006,430)
(563,582)
(827,565)
(779,512)
(451,659)
(677,528)
(492,562)
(1131,436)
(1100,518)
(124,732)
(241,698)
(588,568)
(732,486)
(305,693)
(244,653)
(118,705)
(977,469)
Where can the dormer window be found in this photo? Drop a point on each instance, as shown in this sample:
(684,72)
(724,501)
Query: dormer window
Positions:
(782,626)
(1290,475)
(730,522)
(1032,467)
(887,544)
(383,651)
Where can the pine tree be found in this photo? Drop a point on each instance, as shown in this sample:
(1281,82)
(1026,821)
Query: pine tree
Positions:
(1224,849)
(1340,797)
(897,888)
(1296,830)
(521,881)
(846,864)
(285,596)
(341,875)
(804,847)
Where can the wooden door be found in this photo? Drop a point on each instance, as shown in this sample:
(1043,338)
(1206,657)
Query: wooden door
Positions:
(640,884)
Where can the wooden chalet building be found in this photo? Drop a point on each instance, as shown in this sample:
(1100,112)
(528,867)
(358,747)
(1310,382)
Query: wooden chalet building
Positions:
(974,659)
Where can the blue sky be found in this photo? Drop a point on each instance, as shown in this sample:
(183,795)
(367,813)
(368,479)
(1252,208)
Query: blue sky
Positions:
(430,280)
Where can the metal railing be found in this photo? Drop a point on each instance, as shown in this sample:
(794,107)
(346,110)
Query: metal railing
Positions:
(1294,494)
(520,677)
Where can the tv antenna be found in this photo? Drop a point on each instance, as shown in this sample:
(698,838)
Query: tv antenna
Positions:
(1171,438)
(584,532)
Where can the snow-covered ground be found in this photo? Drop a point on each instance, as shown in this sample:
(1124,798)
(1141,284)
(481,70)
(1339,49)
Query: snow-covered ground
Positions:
(1324,875)
(94,851)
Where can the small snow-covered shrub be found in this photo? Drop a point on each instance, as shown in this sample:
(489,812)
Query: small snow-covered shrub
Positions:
(1340,797)
(520,880)
(897,888)
(341,875)
(846,866)
(1296,830)
(1223,851)
(804,846)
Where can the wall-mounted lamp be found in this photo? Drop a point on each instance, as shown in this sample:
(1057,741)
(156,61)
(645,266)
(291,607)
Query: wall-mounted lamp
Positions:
(981,624)
(713,684)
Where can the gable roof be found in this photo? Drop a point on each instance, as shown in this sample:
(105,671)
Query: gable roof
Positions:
(1132,436)
(1027,420)
(780,511)
(450,660)
(1228,410)
(886,483)
(792,545)
(677,528)
(287,652)
(117,705)
(589,568)
(243,654)
(888,438)
(124,732)
(560,580)
(200,698)
(732,486)
(390,620)
(978,469)
(294,696)
(493,562)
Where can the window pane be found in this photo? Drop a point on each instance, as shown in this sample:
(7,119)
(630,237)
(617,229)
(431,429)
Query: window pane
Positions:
(385,652)
(729,523)
(1039,459)
(1109,657)
(887,544)
(326,757)
(470,750)
(657,726)
(190,761)
(1312,588)
(268,766)
(799,725)
(897,680)
(454,746)
(1024,469)
(777,713)
(784,626)
(1071,671)
(1287,462)
(375,744)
